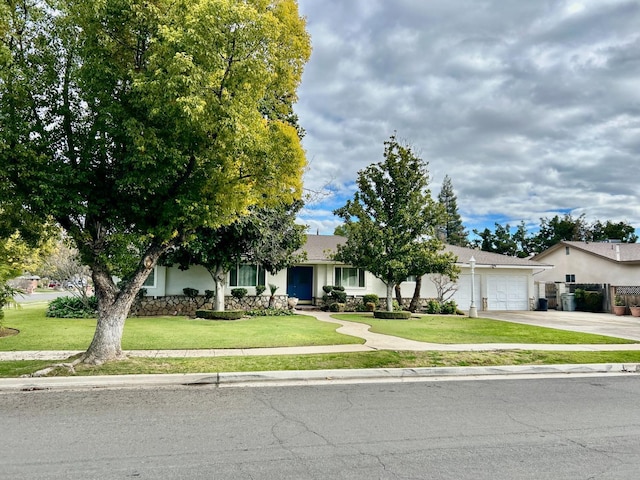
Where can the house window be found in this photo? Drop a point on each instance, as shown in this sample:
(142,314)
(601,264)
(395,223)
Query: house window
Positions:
(349,277)
(570,278)
(151,279)
(247,275)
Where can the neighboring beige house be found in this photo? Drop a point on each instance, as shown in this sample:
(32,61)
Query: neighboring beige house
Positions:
(596,263)
(501,282)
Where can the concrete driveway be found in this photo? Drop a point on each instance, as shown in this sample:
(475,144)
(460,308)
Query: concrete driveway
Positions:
(598,323)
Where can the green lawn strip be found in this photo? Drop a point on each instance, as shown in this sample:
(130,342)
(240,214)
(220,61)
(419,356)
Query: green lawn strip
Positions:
(358,360)
(38,332)
(460,330)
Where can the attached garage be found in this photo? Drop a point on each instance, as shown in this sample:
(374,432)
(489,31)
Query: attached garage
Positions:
(501,282)
(462,296)
(507,292)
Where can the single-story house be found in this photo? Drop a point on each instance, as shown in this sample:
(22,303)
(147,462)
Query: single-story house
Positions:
(611,263)
(501,282)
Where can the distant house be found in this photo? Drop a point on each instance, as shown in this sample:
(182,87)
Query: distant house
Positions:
(592,263)
(501,282)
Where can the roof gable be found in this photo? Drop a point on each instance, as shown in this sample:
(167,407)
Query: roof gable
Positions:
(615,252)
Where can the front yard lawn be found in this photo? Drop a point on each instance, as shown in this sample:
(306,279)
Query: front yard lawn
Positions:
(38,332)
(452,329)
(377,359)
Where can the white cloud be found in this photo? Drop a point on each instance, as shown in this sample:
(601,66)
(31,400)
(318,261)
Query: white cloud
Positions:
(531,108)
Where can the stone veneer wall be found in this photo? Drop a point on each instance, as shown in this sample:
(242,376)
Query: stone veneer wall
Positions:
(181,305)
(353,302)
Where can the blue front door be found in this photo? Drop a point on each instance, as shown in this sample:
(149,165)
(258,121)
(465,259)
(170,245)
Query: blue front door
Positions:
(300,283)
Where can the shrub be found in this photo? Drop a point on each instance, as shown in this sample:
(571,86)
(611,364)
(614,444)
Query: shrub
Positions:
(593,301)
(396,306)
(333,294)
(382,314)
(370,306)
(260,290)
(209,294)
(450,307)
(190,292)
(371,298)
(239,293)
(336,307)
(73,307)
(433,307)
(269,312)
(339,296)
(226,315)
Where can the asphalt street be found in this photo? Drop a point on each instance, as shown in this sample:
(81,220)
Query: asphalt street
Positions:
(563,428)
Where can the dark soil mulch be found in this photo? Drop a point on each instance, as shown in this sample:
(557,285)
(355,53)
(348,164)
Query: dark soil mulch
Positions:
(8,332)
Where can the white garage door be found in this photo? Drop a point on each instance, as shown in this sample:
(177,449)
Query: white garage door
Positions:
(507,292)
(462,296)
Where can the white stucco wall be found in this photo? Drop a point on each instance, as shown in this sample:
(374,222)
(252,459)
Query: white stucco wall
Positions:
(171,281)
(587,268)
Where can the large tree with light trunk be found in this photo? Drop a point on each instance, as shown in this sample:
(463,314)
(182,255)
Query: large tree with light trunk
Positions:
(391,222)
(133,122)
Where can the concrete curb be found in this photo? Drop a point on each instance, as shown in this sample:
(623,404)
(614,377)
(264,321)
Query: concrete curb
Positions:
(311,377)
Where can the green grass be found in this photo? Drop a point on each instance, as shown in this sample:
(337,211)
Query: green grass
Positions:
(377,359)
(460,330)
(38,332)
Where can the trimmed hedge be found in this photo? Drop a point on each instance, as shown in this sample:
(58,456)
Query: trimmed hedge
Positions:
(226,315)
(401,315)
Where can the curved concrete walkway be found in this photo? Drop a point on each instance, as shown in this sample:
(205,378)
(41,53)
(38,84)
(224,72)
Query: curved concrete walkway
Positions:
(377,341)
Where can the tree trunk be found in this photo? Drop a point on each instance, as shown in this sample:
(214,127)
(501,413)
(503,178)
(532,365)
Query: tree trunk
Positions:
(398,294)
(413,306)
(219,277)
(113,308)
(106,344)
(390,297)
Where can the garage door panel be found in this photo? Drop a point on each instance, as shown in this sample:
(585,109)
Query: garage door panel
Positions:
(462,296)
(507,292)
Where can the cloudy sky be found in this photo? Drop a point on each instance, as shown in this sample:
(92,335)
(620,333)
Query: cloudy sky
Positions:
(531,107)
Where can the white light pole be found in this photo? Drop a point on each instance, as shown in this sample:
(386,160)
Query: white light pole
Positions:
(473,312)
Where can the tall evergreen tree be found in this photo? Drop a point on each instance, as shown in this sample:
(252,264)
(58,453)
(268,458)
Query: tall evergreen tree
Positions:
(452,229)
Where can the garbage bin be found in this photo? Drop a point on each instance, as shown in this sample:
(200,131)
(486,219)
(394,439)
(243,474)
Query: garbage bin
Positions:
(542,304)
(569,302)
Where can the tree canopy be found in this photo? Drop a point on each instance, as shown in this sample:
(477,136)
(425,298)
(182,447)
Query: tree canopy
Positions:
(391,222)
(521,243)
(267,236)
(133,123)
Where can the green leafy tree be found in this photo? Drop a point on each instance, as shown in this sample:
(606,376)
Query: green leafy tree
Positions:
(9,269)
(266,236)
(452,228)
(132,124)
(391,221)
(503,241)
(600,232)
(340,230)
(556,229)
